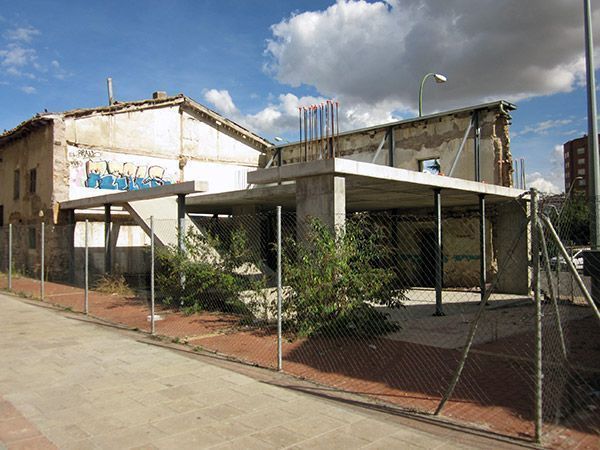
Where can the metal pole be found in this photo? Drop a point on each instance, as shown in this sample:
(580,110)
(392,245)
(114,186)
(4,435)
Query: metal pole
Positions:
(544,248)
(279,292)
(482,245)
(10,256)
(107,239)
(594,157)
(42,245)
(152,324)
(86,305)
(421,93)
(571,267)
(535,256)
(109,85)
(476,148)
(437,199)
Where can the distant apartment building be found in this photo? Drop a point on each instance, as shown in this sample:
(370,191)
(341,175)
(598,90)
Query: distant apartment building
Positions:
(576,165)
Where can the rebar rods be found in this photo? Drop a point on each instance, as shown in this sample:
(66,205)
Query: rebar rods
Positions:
(319,127)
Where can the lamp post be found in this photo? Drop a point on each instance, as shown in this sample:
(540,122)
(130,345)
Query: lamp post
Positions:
(439,78)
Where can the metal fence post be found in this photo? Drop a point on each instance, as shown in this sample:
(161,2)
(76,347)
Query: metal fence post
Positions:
(152,324)
(535,256)
(87,270)
(42,245)
(10,256)
(279,291)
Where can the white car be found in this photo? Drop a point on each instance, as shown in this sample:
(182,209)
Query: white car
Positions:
(577,259)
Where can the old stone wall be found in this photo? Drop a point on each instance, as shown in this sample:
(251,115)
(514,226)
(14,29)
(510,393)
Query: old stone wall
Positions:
(32,151)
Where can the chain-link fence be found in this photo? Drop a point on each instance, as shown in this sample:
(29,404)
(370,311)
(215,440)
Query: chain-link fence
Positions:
(427,315)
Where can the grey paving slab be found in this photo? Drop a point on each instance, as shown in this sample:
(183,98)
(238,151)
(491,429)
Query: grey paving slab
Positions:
(88,386)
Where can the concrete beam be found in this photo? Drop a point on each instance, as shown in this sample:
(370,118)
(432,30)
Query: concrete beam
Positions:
(122,198)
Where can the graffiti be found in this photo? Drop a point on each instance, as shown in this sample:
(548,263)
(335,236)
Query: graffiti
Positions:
(77,155)
(123,176)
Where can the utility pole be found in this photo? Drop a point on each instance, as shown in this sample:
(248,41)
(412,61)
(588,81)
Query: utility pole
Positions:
(592,259)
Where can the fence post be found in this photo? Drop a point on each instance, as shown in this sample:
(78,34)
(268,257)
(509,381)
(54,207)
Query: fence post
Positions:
(87,270)
(535,256)
(10,256)
(279,292)
(42,245)
(152,324)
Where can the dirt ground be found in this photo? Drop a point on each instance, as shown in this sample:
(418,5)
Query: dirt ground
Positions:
(495,391)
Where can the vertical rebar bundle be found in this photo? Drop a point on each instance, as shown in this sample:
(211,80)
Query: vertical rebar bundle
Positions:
(319,129)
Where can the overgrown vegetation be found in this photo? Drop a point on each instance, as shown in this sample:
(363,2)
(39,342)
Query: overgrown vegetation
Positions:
(334,281)
(208,275)
(114,284)
(575,220)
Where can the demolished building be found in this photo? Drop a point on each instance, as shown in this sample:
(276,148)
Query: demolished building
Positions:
(97,164)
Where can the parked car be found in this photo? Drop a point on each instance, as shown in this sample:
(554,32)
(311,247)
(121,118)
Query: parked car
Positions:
(577,260)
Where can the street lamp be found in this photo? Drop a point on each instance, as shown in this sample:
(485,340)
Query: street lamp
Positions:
(439,78)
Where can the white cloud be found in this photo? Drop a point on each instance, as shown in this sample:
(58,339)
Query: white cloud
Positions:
(369,53)
(543,127)
(222,101)
(19,59)
(280,116)
(542,184)
(15,56)
(21,34)
(29,90)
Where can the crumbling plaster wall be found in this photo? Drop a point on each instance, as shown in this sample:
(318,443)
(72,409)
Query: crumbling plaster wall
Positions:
(460,251)
(187,144)
(438,137)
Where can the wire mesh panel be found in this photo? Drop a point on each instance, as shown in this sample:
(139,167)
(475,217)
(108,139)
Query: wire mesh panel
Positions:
(571,354)
(215,284)
(428,315)
(362,312)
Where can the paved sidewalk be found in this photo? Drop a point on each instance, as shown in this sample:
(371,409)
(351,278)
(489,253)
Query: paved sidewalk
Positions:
(69,384)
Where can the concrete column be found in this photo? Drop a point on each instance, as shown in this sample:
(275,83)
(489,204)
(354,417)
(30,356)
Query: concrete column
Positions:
(509,225)
(107,240)
(321,197)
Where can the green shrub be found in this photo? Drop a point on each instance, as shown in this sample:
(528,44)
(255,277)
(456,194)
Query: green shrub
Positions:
(335,279)
(203,277)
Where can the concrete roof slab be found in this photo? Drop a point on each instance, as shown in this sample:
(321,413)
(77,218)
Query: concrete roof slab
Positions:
(368,187)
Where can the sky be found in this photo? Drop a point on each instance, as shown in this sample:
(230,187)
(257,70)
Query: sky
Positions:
(256,61)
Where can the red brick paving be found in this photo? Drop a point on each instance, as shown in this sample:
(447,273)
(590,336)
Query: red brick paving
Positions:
(494,393)
(17,433)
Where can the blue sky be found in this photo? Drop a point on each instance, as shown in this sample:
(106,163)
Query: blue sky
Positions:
(255,61)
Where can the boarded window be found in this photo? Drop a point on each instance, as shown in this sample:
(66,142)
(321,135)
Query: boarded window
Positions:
(32,181)
(32,237)
(17,185)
